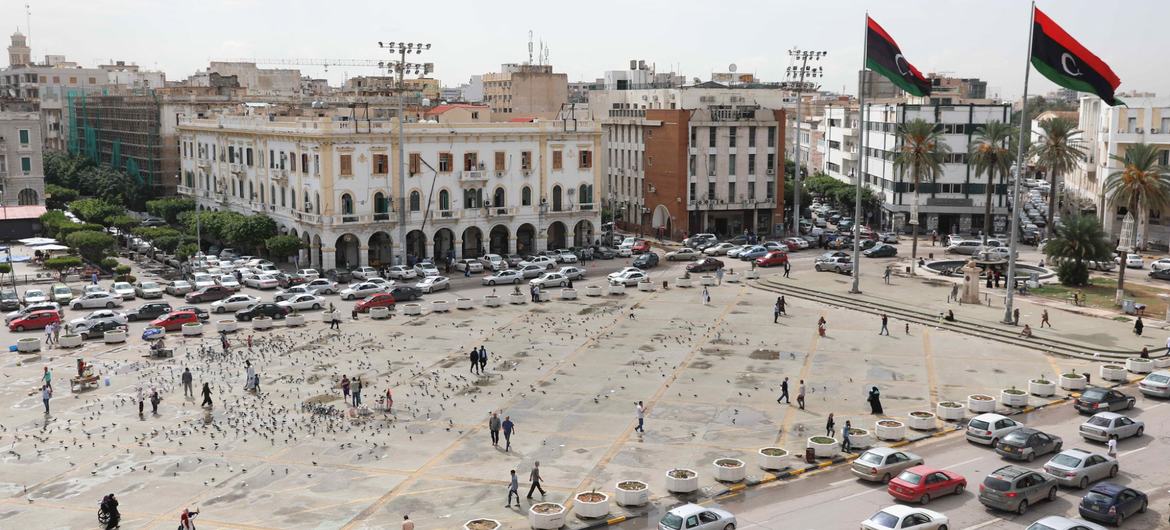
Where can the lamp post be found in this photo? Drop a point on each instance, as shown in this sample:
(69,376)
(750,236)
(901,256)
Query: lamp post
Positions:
(797,75)
(401,67)
(1124,246)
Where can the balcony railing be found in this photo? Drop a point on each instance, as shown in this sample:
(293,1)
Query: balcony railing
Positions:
(475,175)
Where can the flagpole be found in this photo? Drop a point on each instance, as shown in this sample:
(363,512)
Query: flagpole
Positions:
(1015,206)
(856,289)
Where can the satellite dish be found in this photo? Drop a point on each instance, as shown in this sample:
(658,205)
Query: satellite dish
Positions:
(731,68)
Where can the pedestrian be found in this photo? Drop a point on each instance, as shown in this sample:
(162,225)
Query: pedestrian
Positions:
(513,489)
(357,391)
(1145,353)
(784,392)
(1044,319)
(829,426)
(875,401)
(206,395)
(1138,326)
(483,358)
(336,322)
(954,293)
(1016,318)
(389,402)
(784,303)
(46,393)
(474,359)
(141,401)
(186,519)
(845,445)
(1026,332)
(885,320)
(509,428)
(494,427)
(719,275)
(466,270)
(886,275)
(534,477)
(154,401)
(47,378)
(249,373)
(640,410)
(93,278)
(1112,445)
(822,326)
(407,524)
(776,312)
(345,388)
(49,335)
(800,395)
(187,380)
(907,328)
(532,293)
(706,296)
(787,268)
(223,342)
(933,237)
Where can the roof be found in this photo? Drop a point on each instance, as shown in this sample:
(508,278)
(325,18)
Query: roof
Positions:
(1108,488)
(687,509)
(444,108)
(528,119)
(21,212)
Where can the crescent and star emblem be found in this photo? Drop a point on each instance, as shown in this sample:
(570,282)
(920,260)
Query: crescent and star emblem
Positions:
(1069,63)
(899,61)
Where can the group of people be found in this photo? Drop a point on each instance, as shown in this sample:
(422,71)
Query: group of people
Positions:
(352,390)
(479,359)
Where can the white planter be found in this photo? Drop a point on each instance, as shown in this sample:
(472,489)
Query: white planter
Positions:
(412,310)
(28,345)
(492,300)
(228,325)
(592,290)
(546,521)
(983,403)
(707,280)
(1073,381)
(1041,387)
(751,275)
(544,296)
(1138,365)
(731,277)
(327,317)
(262,323)
(891,430)
(949,411)
(736,471)
(482,524)
(1113,372)
(114,337)
(683,282)
(294,320)
(517,298)
(591,509)
(824,449)
(69,341)
(1009,399)
(192,329)
(568,294)
(1162,362)
(464,303)
(646,287)
(922,420)
(617,289)
(379,313)
(440,306)
(638,493)
(772,461)
(682,485)
(861,438)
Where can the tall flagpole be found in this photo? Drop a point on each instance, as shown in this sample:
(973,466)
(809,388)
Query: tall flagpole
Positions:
(1015,198)
(856,289)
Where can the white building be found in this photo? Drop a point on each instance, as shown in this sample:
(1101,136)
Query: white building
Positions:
(952,203)
(471,189)
(22,175)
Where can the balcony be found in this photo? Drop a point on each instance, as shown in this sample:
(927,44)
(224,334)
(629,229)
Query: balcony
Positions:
(446,215)
(473,176)
(181,190)
(310,218)
(722,205)
(501,212)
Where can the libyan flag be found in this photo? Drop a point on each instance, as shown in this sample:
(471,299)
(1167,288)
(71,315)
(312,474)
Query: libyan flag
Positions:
(1065,62)
(883,56)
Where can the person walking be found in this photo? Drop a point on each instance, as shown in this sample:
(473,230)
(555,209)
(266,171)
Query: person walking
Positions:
(846,447)
(508,428)
(885,321)
(494,427)
(206,395)
(1016,317)
(49,335)
(822,326)
(357,391)
(776,312)
(474,356)
(186,519)
(187,380)
(46,394)
(787,268)
(513,489)
(800,395)
(47,378)
(1112,446)
(875,401)
(155,399)
(886,275)
(1138,326)
(223,342)
(534,477)
(141,402)
(784,392)
(407,524)
(830,426)
(389,402)
(954,293)
(345,388)
(783,303)
(719,275)
(640,410)
(483,358)
(249,373)
(706,296)
(1044,319)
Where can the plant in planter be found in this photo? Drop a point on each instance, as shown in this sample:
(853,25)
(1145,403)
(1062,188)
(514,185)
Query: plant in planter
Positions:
(1139,365)
(949,411)
(1073,381)
(823,446)
(890,430)
(729,470)
(632,493)
(481,524)
(546,516)
(860,438)
(1013,397)
(680,480)
(1113,372)
(1041,387)
(980,403)
(921,420)
(772,458)
(591,504)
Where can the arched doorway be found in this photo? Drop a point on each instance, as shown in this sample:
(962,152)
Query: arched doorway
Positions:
(583,234)
(416,247)
(472,242)
(525,239)
(381,251)
(317,256)
(556,235)
(444,245)
(27,197)
(556,199)
(499,198)
(346,251)
(661,220)
(498,240)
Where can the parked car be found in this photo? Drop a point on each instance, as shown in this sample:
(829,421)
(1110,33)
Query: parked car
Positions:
(508,276)
(10,301)
(1104,425)
(640,246)
(573,273)
(147,289)
(262,309)
(1112,503)
(149,311)
(1056,522)
(513,259)
(174,321)
(684,254)
(431,284)
(1079,468)
(233,303)
(695,517)
(123,289)
(98,330)
(260,281)
(208,294)
(566,256)
(1156,384)
(493,262)
(542,261)
(229,281)
(881,250)
(831,255)
(1097,399)
(921,484)
(705,265)
(888,237)
(902,516)
(82,323)
(465,264)
(322,286)
(35,296)
(1027,443)
(1132,261)
(531,270)
(1163,274)
(604,253)
(95,300)
(200,313)
(405,293)
(628,278)
(719,249)
(364,272)
(883,463)
(202,279)
(34,320)
(647,260)
(361,290)
(375,300)
(840,265)
(43,306)
(308,274)
(398,272)
(550,279)
(285,294)
(988,429)
(1014,488)
(773,258)
(424,269)
(178,287)
(303,302)
(968,247)
(284,281)
(752,253)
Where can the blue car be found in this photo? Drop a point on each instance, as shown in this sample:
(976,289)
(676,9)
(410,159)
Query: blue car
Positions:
(1112,503)
(754,252)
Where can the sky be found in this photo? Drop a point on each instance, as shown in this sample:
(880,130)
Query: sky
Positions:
(973,38)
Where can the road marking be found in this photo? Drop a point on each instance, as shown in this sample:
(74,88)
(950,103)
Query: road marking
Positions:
(789,415)
(952,466)
(840,482)
(931,374)
(1134,451)
(858,494)
(986,523)
(1153,407)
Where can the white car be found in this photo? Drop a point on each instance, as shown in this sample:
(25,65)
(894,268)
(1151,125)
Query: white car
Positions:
(543,261)
(267,267)
(684,254)
(625,252)
(80,324)
(494,262)
(465,264)
(35,296)
(573,273)
(550,279)
(398,272)
(123,289)
(988,429)
(735,252)
(303,302)
(1160,264)
(505,276)
(696,517)
(365,273)
(904,517)
(96,300)
(1156,384)
(261,281)
(431,284)
(378,280)
(179,288)
(425,269)
(233,303)
(285,294)
(361,290)
(615,274)
(148,289)
(229,281)
(719,249)
(309,273)
(202,279)
(628,278)
(531,270)
(566,256)
(322,286)
(1133,261)
(1056,522)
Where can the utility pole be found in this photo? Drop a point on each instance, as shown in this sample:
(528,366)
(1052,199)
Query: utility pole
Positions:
(797,74)
(402,67)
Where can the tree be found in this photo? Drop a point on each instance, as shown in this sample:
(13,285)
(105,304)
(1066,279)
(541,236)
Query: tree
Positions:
(1079,239)
(250,232)
(169,208)
(64,169)
(91,245)
(281,247)
(1140,185)
(96,210)
(991,153)
(1058,151)
(123,222)
(57,197)
(62,263)
(52,220)
(921,151)
(186,250)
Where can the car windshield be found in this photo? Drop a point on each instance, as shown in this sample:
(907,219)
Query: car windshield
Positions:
(1097,498)
(1016,437)
(672,521)
(978,424)
(1157,378)
(1066,461)
(1094,394)
(149,285)
(1099,421)
(871,458)
(910,477)
(997,484)
(61,289)
(885,519)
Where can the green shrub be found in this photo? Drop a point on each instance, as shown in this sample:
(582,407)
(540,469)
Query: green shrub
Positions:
(109,263)
(1072,272)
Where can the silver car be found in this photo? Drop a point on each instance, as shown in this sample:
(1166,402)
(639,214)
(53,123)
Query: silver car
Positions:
(1156,384)
(1104,425)
(550,279)
(504,276)
(573,273)
(1079,468)
(696,517)
(1056,522)
(883,463)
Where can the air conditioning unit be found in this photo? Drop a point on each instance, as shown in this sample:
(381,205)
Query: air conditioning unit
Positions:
(499,174)
(1155,131)
(527,172)
(771,172)
(1139,130)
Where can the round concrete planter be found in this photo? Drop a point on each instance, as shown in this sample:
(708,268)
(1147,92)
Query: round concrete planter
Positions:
(617,289)
(1138,365)
(890,430)
(327,317)
(412,310)
(949,411)
(492,300)
(192,329)
(1073,381)
(729,470)
(1013,397)
(1113,372)
(114,337)
(28,345)
(546,516)
(464,303)
(823,446)
(646,287)
(683,282)
(568,294)
(980,403)
(379,313)
(294,320)
(751,275)
(69,341)
(228,325)
(631,493)
(482,524)
(517,298)
(440,306)
(1041,387)
(591,505)
(922,420)
(732,277)
(772,458)
(686,480)
(592,290)
(544,295)
(861,438)
(1162,362)
(262,323)
(707,280)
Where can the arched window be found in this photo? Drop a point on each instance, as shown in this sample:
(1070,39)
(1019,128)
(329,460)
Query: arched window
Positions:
(444,200)
(317,203)
(526,196)
(498,199)
(251,191)
(584,194)
(556,198)
(415,200)
(233,187)
(27,197)
(283,196)
(347,208)
(381,207)
(271,193)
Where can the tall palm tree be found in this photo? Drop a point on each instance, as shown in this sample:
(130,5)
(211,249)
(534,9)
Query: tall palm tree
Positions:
(991,153)
(1078,240)
(1141,184)
(1058,150)
(921,151)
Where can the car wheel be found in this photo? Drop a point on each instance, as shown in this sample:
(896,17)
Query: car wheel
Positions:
(109,305)
(220,309)
(1052,494)
(491,282)
(19,328)
(131,318)
(942,527)
(730,526)
(886,478)
(924,499)
(1140,430)
(1113,472)
(1120,520)
(316,306)
(1129,404)
(1022,507)
(1145,505)
(77,307)
(350,297)
(1084,483)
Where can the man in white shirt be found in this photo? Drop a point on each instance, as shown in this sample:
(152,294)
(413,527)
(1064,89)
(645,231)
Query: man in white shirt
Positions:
(641,410)
(1112,445)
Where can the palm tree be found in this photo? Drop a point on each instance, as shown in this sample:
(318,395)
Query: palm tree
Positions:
(1079,239)
(1140,185)
(921,151)
(991,153)
(1058,150)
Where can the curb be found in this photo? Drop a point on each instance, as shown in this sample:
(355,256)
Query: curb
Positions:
(609,522)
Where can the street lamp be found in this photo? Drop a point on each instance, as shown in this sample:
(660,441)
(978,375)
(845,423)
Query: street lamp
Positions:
(797,83)
(401,67)
(1124,246)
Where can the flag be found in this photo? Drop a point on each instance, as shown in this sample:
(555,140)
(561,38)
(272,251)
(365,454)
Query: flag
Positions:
(883,56)
(1065,62)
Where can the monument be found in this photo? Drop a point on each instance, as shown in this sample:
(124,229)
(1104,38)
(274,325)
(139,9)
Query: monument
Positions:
(970,294)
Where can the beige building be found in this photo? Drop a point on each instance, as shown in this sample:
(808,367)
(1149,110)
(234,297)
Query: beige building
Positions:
(525,91)
(22,175)
(459,113)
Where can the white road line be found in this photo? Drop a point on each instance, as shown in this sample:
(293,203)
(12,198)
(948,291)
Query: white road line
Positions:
(985,523)
(858,494)
(1153,407)
(952,466)
(844,481)
(1134,451)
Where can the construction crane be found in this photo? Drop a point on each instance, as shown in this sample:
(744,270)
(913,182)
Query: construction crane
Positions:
(326,63)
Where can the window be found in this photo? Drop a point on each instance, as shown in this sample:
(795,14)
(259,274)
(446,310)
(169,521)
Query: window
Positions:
(25,165)
(415,199)
(248,156)
(470,161)
(231,154)
(731,164)
(292,162)
(730,192)
(771,137)
(271,157)
(381,164)
(751,191)
(381,207)
(445,162)
(283,197)
(711,191)
(346,204)
(27,197)
(415,163)
(304,163)
(693,133)
(585,160)
(752,164)
(710,136)
(24,138)
(556,198)
(731,132)
(444,200)
(526,196)
(346,165)
(691,165)
(498,198)
(501,161)
(711,165)
(751,136)
(692,191)
(558,160)
(526,160)
(771,163)
(771,189)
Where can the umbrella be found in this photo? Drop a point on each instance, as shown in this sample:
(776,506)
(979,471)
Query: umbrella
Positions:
(50,246)
(38,241)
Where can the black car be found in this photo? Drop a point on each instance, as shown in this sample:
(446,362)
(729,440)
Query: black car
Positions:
(604,253)
(9,301)
(1027,444)
(705,265)
(881,251)
(98,329)
(738,240)
(263,309)
(1096,399)
(148,311)
(1160,274)
(405,293)
(199,312)
(646,261)
(1112,503)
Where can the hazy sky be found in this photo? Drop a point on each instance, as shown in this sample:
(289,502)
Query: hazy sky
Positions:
(975,38)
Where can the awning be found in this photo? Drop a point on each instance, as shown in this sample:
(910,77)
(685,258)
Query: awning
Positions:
(50,246)
(38,241)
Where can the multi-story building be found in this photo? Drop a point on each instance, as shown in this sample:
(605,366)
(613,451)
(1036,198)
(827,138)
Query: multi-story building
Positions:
(22,176)
(525,90)
(953,203)
(471,188)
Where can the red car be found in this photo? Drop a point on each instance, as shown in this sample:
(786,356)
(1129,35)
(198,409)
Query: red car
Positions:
(374,300)
(922,483)
(34,320)
(174,321)
(775,257)
(640,246)
(210,293)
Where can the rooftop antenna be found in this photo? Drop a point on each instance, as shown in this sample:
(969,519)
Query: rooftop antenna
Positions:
(529,46)
(28,28)
(545,60)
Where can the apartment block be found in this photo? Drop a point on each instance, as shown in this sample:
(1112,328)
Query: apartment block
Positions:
(525,91)
(22,175)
